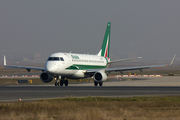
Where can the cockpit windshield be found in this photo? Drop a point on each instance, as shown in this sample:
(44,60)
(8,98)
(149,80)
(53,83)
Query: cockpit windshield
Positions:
(55,59)
(62,59)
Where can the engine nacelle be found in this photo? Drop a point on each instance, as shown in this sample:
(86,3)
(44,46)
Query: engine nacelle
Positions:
(46,77)
(100,76)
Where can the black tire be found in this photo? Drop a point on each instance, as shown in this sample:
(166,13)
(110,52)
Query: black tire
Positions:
(66,82)
(95,83)
(61,82)
(101,83)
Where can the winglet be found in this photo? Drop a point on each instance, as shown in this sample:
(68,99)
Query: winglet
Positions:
(172,60)
(4,60)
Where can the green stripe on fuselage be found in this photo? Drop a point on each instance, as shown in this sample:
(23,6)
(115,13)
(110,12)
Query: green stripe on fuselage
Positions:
(85,67)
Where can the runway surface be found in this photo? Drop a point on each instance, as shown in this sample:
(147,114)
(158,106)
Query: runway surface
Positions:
(113,88)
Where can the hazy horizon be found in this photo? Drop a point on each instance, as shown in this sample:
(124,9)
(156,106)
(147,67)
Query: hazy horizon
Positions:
(149,29)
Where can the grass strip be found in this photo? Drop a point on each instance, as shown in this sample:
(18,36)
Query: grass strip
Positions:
(94,108)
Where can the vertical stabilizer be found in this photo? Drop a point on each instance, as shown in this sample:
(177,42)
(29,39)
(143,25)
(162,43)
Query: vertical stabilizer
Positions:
(106,42)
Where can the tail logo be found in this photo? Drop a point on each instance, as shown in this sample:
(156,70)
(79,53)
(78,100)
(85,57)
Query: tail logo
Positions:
(106,43)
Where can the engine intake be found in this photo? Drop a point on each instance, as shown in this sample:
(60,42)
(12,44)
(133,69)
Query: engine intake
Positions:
(46,77)
(100,76)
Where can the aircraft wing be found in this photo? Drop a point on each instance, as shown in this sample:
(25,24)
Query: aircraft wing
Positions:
(132,68)
(23,67)
(122,60)
(121,69)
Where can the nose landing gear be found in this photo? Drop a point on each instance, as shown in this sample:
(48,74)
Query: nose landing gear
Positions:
(56,81)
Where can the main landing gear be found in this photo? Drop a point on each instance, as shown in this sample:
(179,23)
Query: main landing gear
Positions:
(61,82)
(65,82)
(96,83)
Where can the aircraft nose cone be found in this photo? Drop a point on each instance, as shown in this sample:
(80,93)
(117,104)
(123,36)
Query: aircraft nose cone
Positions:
(50,68)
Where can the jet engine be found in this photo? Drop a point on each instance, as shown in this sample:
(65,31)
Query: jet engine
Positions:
(46,77)
(100,76)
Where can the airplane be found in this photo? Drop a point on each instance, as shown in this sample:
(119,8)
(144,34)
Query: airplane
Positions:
(63,66)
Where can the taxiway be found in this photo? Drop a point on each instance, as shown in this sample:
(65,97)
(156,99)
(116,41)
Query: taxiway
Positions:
(121,87)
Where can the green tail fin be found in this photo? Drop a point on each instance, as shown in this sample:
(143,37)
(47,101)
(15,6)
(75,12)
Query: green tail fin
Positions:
(106,42)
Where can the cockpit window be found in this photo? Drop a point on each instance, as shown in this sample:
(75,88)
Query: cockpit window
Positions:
(55,59)
(50,58)
(61,59)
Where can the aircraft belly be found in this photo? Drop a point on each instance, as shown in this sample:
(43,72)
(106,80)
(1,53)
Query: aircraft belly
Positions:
(66,72)
(78,75)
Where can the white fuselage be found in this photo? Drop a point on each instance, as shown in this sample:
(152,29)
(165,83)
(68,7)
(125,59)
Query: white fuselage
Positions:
(73,65)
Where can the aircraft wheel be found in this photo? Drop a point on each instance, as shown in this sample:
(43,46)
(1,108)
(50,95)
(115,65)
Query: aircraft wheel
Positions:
(56,84)
(95,83)
(61,82)
(101,83)
(66,82)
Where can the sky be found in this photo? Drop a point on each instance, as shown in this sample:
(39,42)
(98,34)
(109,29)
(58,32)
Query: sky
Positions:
(146,28)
